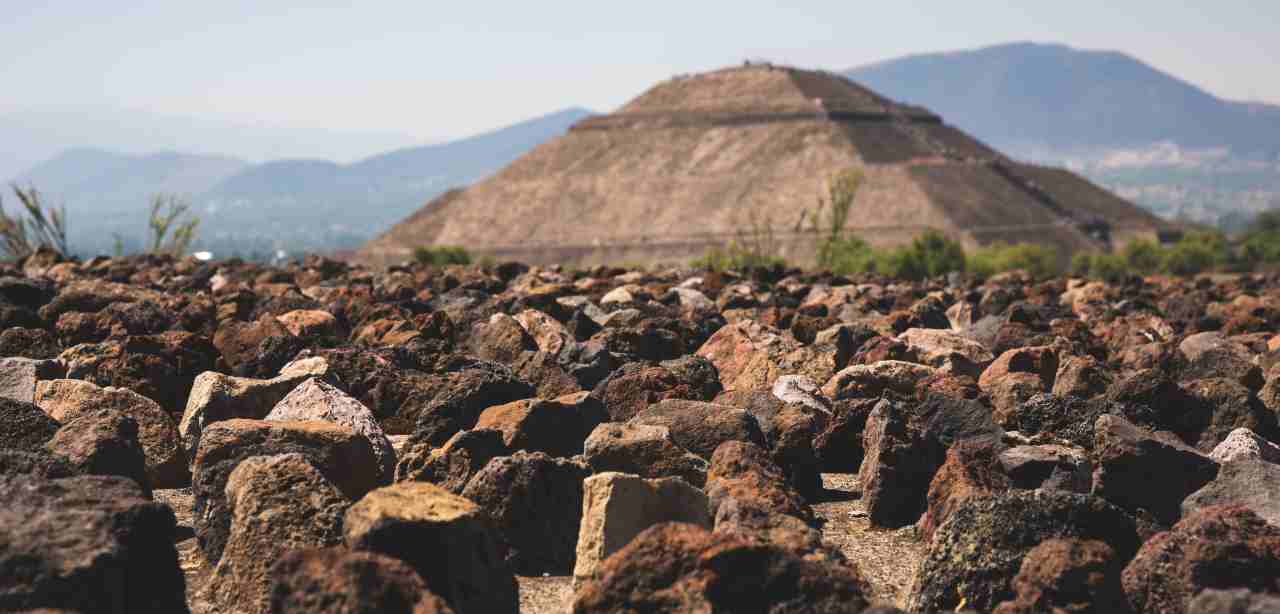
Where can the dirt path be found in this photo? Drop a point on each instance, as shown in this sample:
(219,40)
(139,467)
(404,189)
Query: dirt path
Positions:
(194,567)
(887,558)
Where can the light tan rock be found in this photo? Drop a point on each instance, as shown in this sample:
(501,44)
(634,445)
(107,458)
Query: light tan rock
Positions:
(618,506)
(216,396)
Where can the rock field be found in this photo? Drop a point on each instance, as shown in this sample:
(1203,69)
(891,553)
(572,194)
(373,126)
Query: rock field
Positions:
(178,436)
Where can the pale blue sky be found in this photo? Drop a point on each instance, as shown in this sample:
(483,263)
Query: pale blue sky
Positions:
(434,69)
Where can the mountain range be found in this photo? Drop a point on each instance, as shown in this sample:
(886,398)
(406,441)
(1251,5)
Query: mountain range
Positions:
(1150,136)
(295,205)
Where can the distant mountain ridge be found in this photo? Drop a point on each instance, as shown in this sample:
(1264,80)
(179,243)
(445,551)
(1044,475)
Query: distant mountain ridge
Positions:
(293,205)
(34,135)
(1166,144)
(1047,94)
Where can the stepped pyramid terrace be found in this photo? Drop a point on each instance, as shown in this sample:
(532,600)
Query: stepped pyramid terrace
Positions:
(697,160)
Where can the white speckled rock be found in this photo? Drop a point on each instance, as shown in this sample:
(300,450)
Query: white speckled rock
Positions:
(316,400)
(1242,444)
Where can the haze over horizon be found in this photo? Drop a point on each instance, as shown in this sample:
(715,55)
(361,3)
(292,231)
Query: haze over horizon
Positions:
(412,72)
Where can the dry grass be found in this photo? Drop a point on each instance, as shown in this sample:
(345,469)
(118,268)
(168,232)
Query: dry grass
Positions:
(887,558)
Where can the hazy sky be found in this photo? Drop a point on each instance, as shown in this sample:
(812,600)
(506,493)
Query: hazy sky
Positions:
(442,69)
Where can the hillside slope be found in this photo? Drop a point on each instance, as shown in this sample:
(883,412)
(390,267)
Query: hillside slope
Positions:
(1063,97)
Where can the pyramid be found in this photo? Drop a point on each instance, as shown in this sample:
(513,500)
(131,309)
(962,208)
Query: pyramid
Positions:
(699,160)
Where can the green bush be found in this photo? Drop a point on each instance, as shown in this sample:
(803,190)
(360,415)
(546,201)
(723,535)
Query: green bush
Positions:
(1144,257)
(1097,265)
(1037,259)
(734,256)
(442,255)
(1195,253)
(1261,241)
(931,254)
(928,255)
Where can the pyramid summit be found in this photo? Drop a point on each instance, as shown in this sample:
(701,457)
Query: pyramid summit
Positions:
(697,159)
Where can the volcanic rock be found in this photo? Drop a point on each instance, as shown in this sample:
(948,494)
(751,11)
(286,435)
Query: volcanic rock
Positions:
(535,502)
(975,553)
(102,442)
(343,457)
(971,469)
(1067,575)
(451,466)
(23,426)
(1048,466)
(18,377)
(1211,355)
(1250,483)
(445,538)
(676,567)
(1243,444)
(789,430)
(1220,547)
(557,427)
(467,393)
(750,495)
(339,581)
(66,399)
(316,400)
(277,504)
(884,378)
(1136,469)
(87,544)
(947,350)
(905,444)
(701,427)
(644,450)
(634,387)
(1238,601)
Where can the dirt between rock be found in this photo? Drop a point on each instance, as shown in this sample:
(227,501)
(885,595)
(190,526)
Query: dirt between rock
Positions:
(888,558)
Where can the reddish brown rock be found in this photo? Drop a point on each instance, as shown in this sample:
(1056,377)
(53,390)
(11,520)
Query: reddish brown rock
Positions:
(644,450)
(338,581)
(166,465)
(102,442)
(634,387)
(701,427)
(750,495)
(675,567)
(87,544)
(342,456)
(277,504)
(557,427)
(1081,376)
(976,553)
(905,443)
(1215,548)
(535,502)
(1137,469)
(451,466)
(1068,575)
(464,566)
(971,468)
